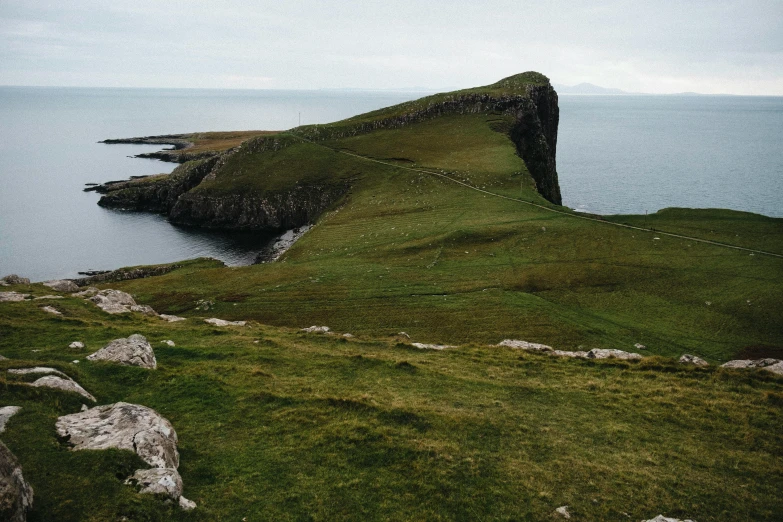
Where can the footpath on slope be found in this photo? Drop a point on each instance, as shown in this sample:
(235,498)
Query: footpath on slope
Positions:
(543,207)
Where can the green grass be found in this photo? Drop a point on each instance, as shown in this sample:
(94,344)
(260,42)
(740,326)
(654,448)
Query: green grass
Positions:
(312,427)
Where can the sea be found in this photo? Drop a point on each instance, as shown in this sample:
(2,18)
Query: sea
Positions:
(615,155)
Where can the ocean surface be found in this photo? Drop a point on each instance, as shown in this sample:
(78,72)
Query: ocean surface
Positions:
(616,154)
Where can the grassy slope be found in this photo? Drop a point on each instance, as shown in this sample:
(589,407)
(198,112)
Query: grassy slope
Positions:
(309,427)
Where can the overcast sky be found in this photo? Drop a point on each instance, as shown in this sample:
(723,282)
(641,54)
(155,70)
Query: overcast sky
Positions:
(653,46)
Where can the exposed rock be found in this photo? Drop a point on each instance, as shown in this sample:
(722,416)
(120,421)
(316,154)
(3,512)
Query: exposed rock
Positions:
(130,351)
(692,359)
(123,426)
(186,505)
(772,365)
(171,318)
(14,279)
(563,511)
(126,274)
(221,322)
(3,358)
(76,345)
(87,292)
(84,407)
(36,369)
(58,383)
(348,335)
(16,495)
(113,301)
(639,346)
(12,297)
(423,346)
(661,518)
(598,353)
(563,353)
(316,329)
(158,481)
(61,285)
(524,345)
(282,244)
(6,412)
(48,297)
(403,334)
(169,342)
(143,309)
(51,310)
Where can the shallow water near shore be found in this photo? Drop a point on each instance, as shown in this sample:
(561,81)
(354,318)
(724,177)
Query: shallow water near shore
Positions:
(615,155)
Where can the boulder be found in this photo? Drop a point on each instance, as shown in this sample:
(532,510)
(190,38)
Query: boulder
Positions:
(524,345)
(58,383)
(14,279)
(113,301)
(51,310)
(598,353)
(16,495)
(123,426)
(76,345)
(131,351)
(36,369)
(185,504)
(316,329)
(62,285)
(6,413)
(158,481)
(171,318)
(692,359)
(12,297)
(423,346)
(771,365)
(221,322)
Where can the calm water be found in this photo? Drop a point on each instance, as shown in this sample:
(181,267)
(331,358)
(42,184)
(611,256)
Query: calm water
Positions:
(615,155)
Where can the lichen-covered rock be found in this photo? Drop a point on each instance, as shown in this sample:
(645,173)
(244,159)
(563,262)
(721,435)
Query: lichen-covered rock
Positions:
(158,481)
(14,279)
(16,495)
(171,318)
(6,412)
(692,359)
(599,353)
(123,426)
(524,345)
(130,351)
(62,285)
(36,369)
(12,297)
(221,322)
(59,383)
(113,301)
(771,365)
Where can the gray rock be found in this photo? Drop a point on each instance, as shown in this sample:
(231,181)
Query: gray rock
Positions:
(48,297)
(16,495)
(524,345)
(14,279)
(76,345)
(771,365)
(131,351)
(423,346)
(169,342)
(403,334)
(171,318)
(158,481)
(143,309)
(563,353)
(12,297)
(598,353)
(563,512)
(123,426)
(316,329)
(113,301)
(661,518)
(348,335)
(87,292)
(62,285)
(639,346)
(51,310)
(36,369)
(692,359)
(221,322)
(186,505)
(6,412)
(58,383)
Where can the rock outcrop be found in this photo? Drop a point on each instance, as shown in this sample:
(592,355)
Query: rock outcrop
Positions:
(661,518)
(171,318)
(16,495)
(316,329)
(118,302)
(123,274)
(6,412)
(158,481)
(424,346)
(221,322)
(595,353)
(12,297)
(771,365)
(131,351)
(692,359)
(14,279)
(62,285)
(51,310)
(525,345)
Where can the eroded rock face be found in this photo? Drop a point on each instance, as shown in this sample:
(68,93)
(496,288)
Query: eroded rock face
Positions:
(692,359)
(771,365)
(13,279)
(62,285)
(123,426)
(221,322)
(598,353)
(524,345)
(113,301)
(59,383)
(16,495)
(12,297)
(6,413)
(130,351)
(158,481)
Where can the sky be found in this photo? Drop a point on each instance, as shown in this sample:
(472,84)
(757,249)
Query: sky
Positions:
(654,46)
